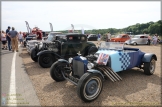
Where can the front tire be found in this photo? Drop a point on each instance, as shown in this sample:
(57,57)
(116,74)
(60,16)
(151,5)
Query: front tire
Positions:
(149,67)
(89,86)
(33,54)
(55,71)
(46,60)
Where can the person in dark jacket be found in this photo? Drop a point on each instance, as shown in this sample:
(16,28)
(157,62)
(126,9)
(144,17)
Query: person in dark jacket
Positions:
(8,38)
(14,39)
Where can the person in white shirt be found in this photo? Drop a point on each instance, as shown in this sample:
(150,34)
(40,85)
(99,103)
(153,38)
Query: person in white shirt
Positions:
(20,36)
(155,39)
(108,37)
(3,39)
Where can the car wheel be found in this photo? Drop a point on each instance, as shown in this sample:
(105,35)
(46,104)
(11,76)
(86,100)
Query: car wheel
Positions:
(45,60)
(33,54)
(24,43)
(134,43)
(89,86)
(149,67)
(55,71)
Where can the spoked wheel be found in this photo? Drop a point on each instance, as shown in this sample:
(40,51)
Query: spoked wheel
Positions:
(46,60)
(149,67)
(55,71)
(89,86)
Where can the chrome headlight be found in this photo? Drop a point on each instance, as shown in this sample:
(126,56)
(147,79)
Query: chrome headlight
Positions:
(70,60)
(90,65)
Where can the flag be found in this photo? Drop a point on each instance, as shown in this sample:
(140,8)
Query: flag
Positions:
(82,30)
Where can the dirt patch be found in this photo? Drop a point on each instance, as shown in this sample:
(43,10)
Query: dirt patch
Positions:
(136,88)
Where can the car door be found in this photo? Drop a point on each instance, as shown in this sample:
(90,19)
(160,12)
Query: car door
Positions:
(141,40)
(145,39)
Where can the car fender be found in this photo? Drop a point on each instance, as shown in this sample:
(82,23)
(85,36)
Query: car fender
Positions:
(63,60)
(48,52)
(147,57)
(96,71)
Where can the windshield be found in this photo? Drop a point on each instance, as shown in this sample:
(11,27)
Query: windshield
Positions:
(119,36)
(136,36)
(51,36)
(112,45)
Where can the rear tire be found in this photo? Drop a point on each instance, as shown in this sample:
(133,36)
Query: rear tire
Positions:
(149,67)
(33,54)
(89,86)
(46,60)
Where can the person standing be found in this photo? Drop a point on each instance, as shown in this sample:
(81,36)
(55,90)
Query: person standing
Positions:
(108,37)
(39,35)
(8,38)
(14,39)
(20,37)
(154,39)
(98,38)
(3,39)
(149,40)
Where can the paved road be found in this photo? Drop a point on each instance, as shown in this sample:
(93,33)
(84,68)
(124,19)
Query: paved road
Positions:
(17,88)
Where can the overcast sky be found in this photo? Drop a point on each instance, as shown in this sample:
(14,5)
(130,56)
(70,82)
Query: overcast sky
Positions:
(89,15)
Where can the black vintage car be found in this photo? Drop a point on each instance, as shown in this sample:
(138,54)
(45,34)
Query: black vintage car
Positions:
(63,46)
(92,37)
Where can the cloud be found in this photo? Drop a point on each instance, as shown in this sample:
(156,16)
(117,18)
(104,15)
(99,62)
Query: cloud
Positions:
(99,14)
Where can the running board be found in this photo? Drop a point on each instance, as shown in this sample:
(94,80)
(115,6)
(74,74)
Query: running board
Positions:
(113,76)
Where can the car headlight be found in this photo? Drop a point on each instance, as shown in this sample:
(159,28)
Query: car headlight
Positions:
(70,60)
(90,65)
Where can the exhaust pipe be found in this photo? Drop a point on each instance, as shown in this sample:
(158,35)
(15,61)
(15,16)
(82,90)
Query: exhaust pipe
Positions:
(107,74)
(114,73)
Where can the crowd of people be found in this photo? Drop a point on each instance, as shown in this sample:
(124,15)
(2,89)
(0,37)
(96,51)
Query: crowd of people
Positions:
(11,38)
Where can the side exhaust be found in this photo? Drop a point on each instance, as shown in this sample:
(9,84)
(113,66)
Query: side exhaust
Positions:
(113,76)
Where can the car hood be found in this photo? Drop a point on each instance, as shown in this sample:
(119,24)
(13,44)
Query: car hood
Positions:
(34,41)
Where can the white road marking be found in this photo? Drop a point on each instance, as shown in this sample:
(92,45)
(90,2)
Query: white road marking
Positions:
(12,90)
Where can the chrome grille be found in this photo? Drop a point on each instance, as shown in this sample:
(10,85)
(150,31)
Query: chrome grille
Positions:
(78,68)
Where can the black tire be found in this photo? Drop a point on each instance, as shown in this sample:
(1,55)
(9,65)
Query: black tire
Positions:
(149,67)
(33,54)
(87,81)
(24,43)
(55,71)
(134,43)
(46,60)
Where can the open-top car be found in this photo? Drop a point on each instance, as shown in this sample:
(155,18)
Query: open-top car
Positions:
(30,44)
(63,46)
(89,72)
(31,35)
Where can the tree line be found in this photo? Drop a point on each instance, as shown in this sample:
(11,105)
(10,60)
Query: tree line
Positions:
(148,28)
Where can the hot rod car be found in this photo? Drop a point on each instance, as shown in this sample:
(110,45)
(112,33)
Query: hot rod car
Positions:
(63,46)
(89,72)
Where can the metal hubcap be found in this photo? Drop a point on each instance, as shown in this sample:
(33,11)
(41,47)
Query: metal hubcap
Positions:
(46,59)
(152,66)
(92,88)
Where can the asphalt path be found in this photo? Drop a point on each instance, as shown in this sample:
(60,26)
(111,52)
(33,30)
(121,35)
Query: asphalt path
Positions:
(16,87)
